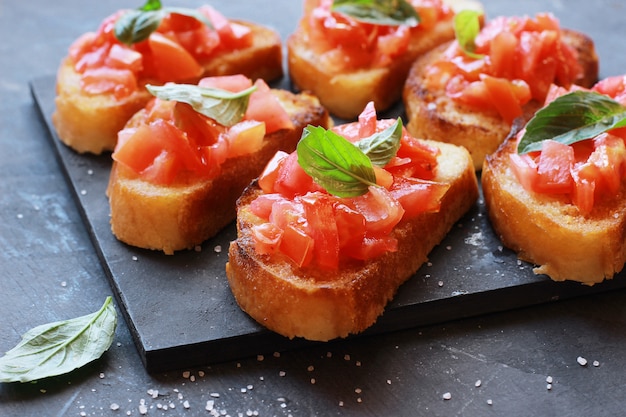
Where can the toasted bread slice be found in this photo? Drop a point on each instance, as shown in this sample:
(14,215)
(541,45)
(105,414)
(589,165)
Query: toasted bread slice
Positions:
(177,217)
(345,94)
(90,122)
(550,233)
(433,114)
(322,305)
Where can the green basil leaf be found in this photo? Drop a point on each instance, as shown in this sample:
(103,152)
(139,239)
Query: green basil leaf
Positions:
(225,107)
(378,12)
(466,28)
(334,162)
(382,146)
(137,25)
(60,347)
(571,118)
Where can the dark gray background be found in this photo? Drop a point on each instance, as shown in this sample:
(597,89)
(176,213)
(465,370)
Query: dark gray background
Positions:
(49,271)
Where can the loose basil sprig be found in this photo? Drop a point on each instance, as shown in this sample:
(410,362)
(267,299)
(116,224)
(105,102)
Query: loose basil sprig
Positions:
(571,118)
(378,12)
(137,25)
(343,168)
(60,347)
(225,107)
(466,28)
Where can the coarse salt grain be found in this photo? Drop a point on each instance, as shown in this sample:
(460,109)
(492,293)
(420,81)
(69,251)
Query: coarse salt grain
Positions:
(549,379)
(217,249)
(489,402)
(282,373)
(478,383)
(310,368)
(447,396)
(596,363)
(186,404)
(209,405)
(581,361)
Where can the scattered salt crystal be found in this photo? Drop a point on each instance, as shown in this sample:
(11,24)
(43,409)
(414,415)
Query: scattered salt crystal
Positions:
(389,382)
(259,358)
(346,357)
(548,387)
(358,390)
(312,381)
(276,354)
(217,249)
(143,409)
(201,374)
(447,396)
(581,361)
(214,395)
(192,378)
(101,375)
(186,404)
(358,363)
(186,374)
(449,247)
(440,283)
(282,373)
(209,405)
(478,383)
(83,192)
(90,172)
(549,379)
(64,283)
(489,402)
(359,400)
(135,258)
(243,390)
(20,216)
(596,363)
(340,403)
(310,368)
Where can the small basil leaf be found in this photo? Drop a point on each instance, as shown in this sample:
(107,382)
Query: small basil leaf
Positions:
(382,146)
(571,118)
(378,12)
(466,28)
(151,5)
(60,347)
(225,107)
(334,162)
(135,25)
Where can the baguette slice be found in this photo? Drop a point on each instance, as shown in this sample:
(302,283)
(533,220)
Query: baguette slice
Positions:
(345,94)
(90,122)
(321,305)
(172,218)
(550,233)
(433,114)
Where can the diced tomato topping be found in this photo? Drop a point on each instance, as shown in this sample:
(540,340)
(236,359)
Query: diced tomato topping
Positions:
(342,42)
(173,52)
(232,83)
(169,141)
(267,238)
(264,105)
(520,58)
(585,171)
(118,82)
(321,229)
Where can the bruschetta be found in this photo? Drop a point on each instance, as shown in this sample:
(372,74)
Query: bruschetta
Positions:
(348,54)
(181,162)
(101,82)
(328,233)
(470,90)
(556,192)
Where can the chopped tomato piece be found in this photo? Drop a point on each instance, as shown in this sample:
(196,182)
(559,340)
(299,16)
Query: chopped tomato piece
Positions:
(267,238)
(504,99)
(264,106)
(270,174)
(367,121)
(171,61)
(201,130)
(372,247)
(297,245)
(120,82)
(382,212)
(322,227)
(263,204)
(232,83)
(554,168)
(291,179)
(246,137)
(418,196)
(351,226)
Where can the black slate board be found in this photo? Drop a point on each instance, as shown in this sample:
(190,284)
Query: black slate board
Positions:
(181,312)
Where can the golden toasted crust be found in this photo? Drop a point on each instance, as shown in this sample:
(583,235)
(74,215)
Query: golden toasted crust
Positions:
(321,305)
(434,115)
(551,233)
(171,218)
(89,123)
(345,94)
